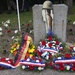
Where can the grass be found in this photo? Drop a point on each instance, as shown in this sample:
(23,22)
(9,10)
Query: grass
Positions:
(72,15)
(25,17)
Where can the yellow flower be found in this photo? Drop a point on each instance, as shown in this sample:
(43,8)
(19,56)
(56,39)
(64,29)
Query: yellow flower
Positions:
(18,46)
(31,50)
(11,51)
(14,49)
(31,55)
(33,46)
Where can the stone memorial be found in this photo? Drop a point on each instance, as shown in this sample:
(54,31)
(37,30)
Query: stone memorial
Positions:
(38,24)
(59,22)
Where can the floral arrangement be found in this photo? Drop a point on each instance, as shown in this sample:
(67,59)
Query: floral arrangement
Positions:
(6,63)
(66,62)
(31,61)
(15,48)
(49,47)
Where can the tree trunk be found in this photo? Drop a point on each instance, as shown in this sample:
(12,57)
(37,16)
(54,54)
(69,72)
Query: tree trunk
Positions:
(69,4)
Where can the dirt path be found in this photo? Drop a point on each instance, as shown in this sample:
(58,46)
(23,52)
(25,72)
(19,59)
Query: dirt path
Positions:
(18,71)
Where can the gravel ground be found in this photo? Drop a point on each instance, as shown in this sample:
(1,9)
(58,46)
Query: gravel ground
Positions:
(18,71)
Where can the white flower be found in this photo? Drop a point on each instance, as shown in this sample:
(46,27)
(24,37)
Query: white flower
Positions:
(37,60)
(74,22)
(0,28)
(2,22)
(30,21)
(68,67)
(39,68)
(1,33)
(16,31)
(16,39)
(23,67)
(42,68)
(74,48)
(47,57)
(31,31)
(44,54)
(8,21)
(59,58)
(47,44)
(12,37)
(7,58)
(5,24)
(53,54)
(53,47)
(53,41)
(28,59)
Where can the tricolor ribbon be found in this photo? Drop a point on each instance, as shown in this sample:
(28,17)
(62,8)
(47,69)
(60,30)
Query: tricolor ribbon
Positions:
(29,63)
(7,65)
(64,61)
(23,51)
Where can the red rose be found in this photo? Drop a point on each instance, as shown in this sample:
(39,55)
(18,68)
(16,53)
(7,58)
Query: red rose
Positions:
(43,42)
(46,64)
(0,67)
(31,67)
(3,59)
(73,68)
(50,38)
(62,68)
(57,42)
(34,58)
(39,53)
(51,63)
(71,48)
(50,55)
(10,61)
(67,55)
(28,24)
(40,59)
(55,68)
(50,44)
(8,31)
(35,51)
